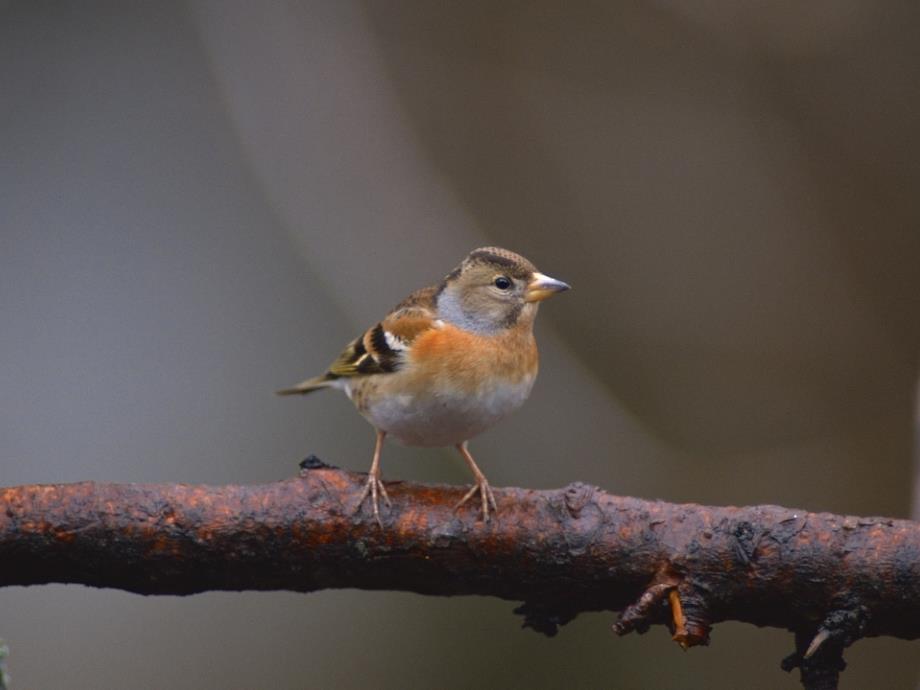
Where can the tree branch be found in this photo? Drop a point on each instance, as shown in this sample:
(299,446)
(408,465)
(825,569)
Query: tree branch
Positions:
(830,579)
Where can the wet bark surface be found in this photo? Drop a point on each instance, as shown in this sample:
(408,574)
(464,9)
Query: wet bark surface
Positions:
(830,579)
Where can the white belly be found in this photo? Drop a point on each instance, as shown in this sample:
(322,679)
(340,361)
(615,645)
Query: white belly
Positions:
(433,419)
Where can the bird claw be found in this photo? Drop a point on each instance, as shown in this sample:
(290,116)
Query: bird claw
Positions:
(372,488)
(488,498)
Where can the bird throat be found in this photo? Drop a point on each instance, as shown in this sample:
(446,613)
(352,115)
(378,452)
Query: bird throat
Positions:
(474,317)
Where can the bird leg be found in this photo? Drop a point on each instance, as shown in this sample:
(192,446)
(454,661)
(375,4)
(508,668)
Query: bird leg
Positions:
(481,485)
(374,485)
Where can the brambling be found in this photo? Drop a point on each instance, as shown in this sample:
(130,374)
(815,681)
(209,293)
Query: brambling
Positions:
(447,363)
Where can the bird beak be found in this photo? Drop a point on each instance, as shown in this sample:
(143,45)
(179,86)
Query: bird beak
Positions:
(541,287)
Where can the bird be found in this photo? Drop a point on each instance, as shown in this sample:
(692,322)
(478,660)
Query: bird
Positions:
(446,363)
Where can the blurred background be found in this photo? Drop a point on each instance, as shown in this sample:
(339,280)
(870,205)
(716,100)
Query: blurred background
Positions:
(201,202)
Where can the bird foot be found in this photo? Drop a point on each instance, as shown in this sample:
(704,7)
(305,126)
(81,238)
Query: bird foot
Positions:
(485,492)
(373,487)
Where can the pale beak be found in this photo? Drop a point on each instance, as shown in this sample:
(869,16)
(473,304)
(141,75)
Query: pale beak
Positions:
(540,287)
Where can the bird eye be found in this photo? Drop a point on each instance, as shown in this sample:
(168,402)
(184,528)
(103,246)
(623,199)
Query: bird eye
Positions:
(502,283)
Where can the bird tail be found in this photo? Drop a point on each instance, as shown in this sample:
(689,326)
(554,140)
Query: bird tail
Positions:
(310,385)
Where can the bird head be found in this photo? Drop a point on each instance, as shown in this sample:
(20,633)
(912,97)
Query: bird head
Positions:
(494,289)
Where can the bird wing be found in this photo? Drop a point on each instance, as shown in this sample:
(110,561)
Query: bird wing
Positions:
(382,348)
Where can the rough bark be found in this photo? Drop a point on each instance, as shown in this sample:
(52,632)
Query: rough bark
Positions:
(830,579)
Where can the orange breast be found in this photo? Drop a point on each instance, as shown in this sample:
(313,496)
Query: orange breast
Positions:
(449,357)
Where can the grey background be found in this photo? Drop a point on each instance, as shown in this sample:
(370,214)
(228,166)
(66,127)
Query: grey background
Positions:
(202,202)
